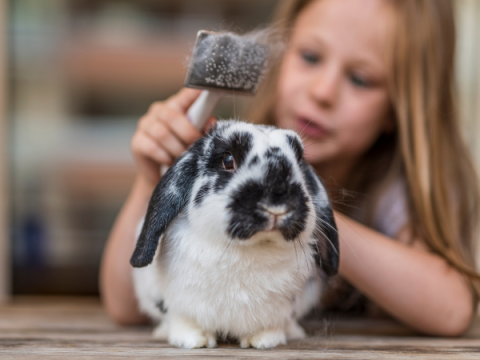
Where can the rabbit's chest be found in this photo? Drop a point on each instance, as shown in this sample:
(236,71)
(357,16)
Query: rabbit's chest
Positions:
(222,286)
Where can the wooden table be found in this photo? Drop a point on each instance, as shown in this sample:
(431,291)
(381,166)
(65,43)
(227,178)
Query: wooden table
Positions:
(76,328)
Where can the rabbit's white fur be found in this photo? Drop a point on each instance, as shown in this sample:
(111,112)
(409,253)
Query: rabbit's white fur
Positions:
(209,285)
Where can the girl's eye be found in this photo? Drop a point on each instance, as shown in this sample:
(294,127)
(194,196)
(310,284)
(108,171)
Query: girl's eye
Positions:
(359,81)
(229,162)
(310,57)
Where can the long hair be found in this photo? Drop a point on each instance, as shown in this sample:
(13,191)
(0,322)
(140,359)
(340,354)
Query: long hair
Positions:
(427,147)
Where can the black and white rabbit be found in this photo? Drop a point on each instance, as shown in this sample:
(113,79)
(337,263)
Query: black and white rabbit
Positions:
(233,238)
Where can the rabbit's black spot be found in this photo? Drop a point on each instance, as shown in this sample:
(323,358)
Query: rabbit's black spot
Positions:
(277,180)
(240,144)
(296,145)
(197,149)
(254,161)
(272,152)
(202,192)
(247,219)
(294,224)
(161,306)
(276,188)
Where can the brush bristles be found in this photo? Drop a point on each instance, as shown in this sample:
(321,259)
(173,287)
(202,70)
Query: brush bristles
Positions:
(227,62)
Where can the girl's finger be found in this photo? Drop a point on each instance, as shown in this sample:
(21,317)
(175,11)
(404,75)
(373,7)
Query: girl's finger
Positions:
(179,125)
(144,146)
(164,137)
(182,100)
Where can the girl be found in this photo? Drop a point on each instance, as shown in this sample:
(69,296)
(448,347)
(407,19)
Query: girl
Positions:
(369,86)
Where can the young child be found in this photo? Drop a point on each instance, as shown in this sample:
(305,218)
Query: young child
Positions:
(368,84)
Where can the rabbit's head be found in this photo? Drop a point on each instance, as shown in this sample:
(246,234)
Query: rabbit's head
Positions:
(245,183)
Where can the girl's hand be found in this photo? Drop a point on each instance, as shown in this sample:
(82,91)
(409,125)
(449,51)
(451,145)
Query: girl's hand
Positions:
(163,134)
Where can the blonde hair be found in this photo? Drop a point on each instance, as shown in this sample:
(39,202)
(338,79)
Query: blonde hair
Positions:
(427,147)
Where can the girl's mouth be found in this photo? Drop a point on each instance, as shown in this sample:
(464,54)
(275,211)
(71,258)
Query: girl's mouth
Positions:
(308,128)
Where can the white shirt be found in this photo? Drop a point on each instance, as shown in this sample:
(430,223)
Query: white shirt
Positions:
(391,213)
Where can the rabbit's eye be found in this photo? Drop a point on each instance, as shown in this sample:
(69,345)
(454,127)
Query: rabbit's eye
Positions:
(229,161)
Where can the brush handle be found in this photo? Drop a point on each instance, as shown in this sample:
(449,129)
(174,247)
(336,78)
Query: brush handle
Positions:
(202,108)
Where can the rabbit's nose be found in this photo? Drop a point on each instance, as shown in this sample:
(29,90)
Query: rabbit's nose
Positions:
(276,216)
(276,210)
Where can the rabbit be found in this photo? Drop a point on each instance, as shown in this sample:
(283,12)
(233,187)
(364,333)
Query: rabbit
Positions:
(237,235)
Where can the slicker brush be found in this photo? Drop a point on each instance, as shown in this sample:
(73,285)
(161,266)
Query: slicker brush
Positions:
(224,63)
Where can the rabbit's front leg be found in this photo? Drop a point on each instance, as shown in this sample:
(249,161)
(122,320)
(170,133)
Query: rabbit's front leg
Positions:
(265,339)
(186,333)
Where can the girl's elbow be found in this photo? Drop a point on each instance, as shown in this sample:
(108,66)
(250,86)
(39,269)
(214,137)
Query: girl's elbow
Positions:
(457,322)
(122,312)
(459,307)
(125,317)
(460,322)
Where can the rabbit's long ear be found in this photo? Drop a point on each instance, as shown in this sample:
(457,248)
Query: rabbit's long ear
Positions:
(169,198)
(325,234)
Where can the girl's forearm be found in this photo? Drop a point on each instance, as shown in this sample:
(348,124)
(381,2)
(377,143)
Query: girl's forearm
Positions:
(415,286)
(116,283)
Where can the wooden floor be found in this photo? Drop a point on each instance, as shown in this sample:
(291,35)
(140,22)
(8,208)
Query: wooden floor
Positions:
(59,328)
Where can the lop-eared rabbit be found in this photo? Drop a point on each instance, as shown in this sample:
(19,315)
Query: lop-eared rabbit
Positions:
(237,236)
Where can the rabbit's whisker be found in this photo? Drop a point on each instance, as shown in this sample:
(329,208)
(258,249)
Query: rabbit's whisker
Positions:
(306,258)
(296,255)
(315,142)
(325,236)
(311,136)
(352,206)
(226,248)
(301,132)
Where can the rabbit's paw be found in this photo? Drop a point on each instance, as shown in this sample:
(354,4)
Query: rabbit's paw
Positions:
(294,331)
(211,340)
(187,334)
(265,339)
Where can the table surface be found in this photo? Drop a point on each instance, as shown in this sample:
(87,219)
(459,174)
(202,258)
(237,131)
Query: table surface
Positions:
(78,328)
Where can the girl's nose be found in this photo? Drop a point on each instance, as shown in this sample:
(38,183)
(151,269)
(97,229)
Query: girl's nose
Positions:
(325,85)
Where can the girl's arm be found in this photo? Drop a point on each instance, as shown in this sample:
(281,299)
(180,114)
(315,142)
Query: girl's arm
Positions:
(416,286)
(116,283)
(162,135)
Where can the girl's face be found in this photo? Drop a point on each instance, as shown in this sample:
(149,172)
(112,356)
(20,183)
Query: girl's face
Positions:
(332,85)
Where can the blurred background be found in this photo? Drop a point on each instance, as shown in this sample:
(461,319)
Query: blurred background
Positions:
(78,74)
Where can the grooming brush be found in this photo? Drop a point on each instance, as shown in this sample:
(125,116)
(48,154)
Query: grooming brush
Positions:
(223,63)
